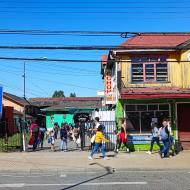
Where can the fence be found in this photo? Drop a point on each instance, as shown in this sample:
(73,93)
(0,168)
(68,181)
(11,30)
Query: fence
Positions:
(10,136)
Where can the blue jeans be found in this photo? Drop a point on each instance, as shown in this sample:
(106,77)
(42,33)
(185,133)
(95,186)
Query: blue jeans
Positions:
(96,147)
(63,144)
(153,140)
(166,148)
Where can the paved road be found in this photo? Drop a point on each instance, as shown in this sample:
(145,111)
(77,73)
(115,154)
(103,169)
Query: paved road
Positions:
(104,179)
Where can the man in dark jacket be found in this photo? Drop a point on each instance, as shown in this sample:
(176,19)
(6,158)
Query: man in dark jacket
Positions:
(63,137)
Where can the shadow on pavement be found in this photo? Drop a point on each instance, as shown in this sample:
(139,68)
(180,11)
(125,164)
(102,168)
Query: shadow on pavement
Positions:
(108,169)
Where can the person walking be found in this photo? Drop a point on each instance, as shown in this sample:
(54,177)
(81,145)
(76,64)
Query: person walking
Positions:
(122,138)
(165,137)
(35,134)
(63,137)
(155,138)
(51,140)
(98,143)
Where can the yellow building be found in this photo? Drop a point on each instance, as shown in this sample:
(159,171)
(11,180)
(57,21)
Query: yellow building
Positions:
(151,72)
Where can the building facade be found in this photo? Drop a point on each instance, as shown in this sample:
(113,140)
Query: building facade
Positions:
(152,72)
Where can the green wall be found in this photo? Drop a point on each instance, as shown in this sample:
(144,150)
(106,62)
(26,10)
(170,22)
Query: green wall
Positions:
(59,118)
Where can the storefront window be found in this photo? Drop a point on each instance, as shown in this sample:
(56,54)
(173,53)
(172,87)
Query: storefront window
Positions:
(140,116)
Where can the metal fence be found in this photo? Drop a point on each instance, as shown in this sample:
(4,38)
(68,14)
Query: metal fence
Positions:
(10,136)
(110,133)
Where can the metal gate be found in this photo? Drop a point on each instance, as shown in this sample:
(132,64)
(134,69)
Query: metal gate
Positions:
(10,136)
(111,134)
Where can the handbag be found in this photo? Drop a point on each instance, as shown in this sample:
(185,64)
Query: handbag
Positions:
(92,140)
(31,141)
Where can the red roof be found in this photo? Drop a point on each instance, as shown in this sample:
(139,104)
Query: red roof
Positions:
(145,93)
(157,40)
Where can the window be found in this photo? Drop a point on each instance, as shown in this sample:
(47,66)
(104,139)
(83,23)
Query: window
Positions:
(139,117)
(153,69)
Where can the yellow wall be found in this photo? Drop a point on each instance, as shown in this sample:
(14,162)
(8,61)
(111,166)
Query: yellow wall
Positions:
(178,72)
(12,104)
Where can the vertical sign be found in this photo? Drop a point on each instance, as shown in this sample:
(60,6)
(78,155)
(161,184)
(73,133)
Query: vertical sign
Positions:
(1,101)
(108,89)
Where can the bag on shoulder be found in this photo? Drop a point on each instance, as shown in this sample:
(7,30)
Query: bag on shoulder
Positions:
(92,140)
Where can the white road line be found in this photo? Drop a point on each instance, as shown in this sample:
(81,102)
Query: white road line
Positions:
(63,175)
(14,185)
(188,172)
(19,185)
(89,184)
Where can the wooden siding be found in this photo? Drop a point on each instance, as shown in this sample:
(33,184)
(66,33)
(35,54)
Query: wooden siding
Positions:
(178,72)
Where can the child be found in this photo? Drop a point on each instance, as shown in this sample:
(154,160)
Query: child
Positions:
(98,143)
(122,137)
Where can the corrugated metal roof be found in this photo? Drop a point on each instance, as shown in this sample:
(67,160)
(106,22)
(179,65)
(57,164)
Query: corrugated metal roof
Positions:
(157,40)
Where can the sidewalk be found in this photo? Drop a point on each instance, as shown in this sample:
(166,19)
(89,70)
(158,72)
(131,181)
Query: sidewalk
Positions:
(78,161)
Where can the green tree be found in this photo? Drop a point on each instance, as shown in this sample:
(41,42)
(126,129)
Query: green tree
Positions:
(72,94)
(58,93)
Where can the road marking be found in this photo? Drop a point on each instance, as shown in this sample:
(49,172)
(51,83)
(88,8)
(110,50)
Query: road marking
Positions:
(16,185)
(188,172)
(63,175)
(88,184)
(19,185)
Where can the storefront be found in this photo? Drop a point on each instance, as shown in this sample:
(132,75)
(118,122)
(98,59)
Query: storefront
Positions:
(140,113)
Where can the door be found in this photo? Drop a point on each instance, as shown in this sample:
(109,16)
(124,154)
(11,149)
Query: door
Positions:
(183,121)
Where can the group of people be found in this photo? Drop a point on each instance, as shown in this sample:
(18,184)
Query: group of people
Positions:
(96,133)
(164,134)
(67,132)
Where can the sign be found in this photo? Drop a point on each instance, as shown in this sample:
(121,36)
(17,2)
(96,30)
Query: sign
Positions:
(138,139)
(109,98)
(1,101)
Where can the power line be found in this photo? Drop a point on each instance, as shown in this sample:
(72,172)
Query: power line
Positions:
(90,47)
(53,81)
(71,60)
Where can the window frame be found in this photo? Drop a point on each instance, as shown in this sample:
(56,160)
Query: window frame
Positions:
(155,63)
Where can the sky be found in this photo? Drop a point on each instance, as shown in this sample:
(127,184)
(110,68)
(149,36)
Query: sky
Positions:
(43,78)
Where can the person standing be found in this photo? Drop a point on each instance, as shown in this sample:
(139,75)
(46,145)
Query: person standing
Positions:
(155,138)
(63,137)
(82,134)
(98,143)
(165,137)
(56,129)
(35,135)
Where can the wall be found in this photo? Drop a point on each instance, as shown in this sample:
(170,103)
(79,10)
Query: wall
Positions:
(60,118)
(12,104)
(178,72)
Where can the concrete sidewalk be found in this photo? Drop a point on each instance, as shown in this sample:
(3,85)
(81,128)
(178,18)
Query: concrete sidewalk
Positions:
(77,161)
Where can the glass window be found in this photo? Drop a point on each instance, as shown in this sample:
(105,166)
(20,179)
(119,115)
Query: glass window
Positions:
(141,107)
(149,72)
(151,69)
(130,107)
(137,73)
(146,119)
(163,107)
(132,121)
(152,107)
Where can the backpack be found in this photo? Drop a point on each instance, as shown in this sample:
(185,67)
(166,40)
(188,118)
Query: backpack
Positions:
(178,147)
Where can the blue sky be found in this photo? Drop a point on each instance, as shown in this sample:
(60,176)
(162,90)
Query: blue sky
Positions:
(82,78)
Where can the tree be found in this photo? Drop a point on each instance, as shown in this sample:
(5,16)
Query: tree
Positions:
(58,93)
(72,94)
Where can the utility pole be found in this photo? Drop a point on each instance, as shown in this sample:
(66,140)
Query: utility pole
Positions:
(24,111)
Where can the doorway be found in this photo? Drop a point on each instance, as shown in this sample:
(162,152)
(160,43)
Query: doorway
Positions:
(183,123)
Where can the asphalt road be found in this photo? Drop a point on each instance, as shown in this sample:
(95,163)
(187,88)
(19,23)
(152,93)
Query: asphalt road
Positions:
(96,180)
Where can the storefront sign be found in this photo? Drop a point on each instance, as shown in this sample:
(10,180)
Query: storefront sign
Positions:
(109,94)
(144,139)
